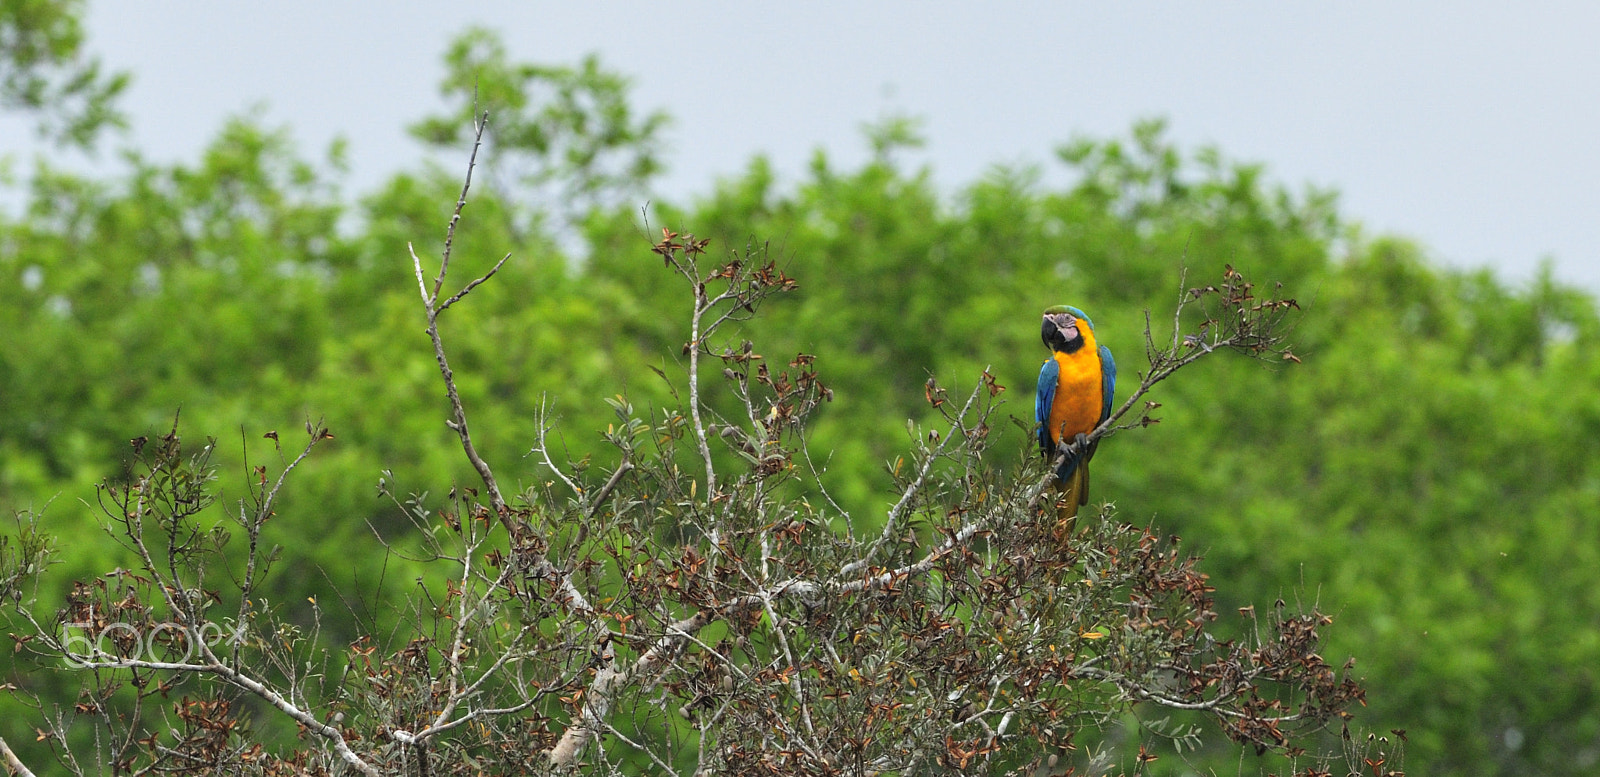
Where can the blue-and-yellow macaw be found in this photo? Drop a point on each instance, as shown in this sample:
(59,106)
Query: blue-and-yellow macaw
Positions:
(1075,388)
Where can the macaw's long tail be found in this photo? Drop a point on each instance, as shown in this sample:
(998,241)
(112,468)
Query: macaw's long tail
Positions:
(1073,492)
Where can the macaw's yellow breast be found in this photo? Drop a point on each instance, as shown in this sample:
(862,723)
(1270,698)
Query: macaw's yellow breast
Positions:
(1078,402)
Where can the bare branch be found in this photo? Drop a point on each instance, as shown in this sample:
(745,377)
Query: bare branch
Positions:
(474,284)
(695,348)
(12,761)
(607,681)
(599,499)
(543,447)
(537,563)
(213,666)
(480,125)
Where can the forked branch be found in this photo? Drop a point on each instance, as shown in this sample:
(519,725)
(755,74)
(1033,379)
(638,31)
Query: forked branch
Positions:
(538,563)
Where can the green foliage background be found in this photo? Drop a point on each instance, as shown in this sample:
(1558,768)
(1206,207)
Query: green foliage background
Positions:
(1428,475)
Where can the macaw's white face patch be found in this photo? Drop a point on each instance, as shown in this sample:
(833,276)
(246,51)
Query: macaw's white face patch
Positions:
(1065,323)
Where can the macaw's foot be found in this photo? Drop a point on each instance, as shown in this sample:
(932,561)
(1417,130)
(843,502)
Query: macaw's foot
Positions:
(1080,442)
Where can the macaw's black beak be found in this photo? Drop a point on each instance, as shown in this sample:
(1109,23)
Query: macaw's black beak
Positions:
(1056,334)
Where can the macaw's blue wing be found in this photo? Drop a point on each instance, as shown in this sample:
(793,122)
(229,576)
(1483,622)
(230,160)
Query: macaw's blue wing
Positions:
(1049,376)
(1108,382)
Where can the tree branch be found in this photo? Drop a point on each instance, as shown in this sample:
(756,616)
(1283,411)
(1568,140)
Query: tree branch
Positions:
(538,564)
(891,522)
(12,761)
(214,666)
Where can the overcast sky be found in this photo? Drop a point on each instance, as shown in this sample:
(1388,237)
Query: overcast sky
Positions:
(1471,126)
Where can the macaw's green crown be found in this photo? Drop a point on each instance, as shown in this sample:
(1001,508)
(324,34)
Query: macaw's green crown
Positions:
(1076,313)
